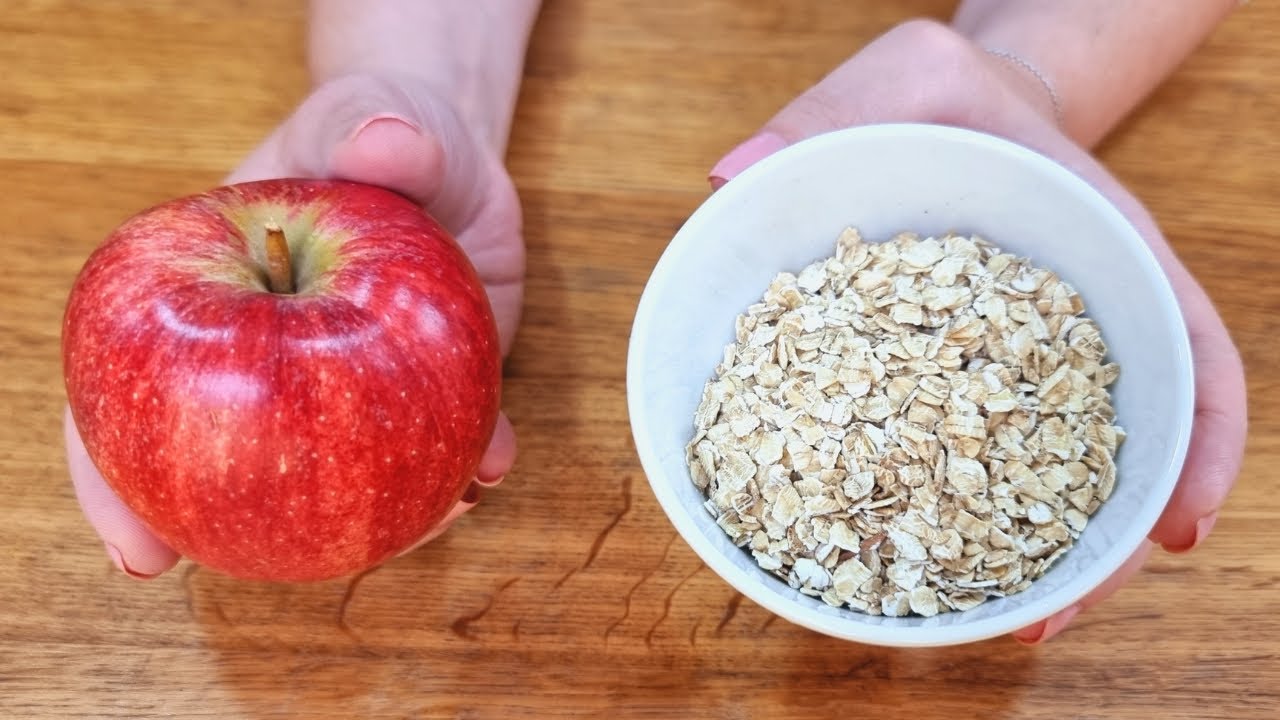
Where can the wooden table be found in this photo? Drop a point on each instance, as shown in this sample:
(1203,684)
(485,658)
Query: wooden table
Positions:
(568,593)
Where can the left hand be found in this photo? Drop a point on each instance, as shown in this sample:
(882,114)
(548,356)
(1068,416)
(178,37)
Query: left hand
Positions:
(923,71)
(396,132)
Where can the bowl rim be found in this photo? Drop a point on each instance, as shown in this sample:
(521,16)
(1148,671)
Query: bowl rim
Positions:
(1130,540)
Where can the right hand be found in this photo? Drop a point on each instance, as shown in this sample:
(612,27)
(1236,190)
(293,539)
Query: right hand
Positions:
(395,132)
(923,71)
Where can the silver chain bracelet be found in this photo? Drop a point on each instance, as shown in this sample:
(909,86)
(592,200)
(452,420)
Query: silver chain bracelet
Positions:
(1035,72)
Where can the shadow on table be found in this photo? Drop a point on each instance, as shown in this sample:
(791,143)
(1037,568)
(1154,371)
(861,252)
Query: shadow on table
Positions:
(426,637)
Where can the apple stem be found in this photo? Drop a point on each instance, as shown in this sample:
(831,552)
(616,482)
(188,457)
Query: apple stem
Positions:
(279,267)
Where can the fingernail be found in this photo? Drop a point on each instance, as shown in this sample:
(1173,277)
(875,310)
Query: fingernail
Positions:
(116,557)
(1203,527)
(744,156)
(387,123)
(490,483)
(1037,634)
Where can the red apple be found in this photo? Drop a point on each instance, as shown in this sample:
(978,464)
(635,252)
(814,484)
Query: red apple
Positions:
(286,380)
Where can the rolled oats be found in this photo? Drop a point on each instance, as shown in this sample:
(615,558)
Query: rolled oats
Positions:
(909,427)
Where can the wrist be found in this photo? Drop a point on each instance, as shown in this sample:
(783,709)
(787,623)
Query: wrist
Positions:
(1102,57)
(469,53)
(1028,82)
(945,77)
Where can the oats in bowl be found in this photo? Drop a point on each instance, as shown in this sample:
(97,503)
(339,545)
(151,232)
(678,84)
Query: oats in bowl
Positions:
(909,427)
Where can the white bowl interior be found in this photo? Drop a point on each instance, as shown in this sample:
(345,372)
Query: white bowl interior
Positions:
(786,212)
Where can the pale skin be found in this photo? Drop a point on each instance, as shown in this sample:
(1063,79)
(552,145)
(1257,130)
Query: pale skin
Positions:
(419,97)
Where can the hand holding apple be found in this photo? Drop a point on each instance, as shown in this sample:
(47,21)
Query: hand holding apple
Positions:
(393,133)
(285,379)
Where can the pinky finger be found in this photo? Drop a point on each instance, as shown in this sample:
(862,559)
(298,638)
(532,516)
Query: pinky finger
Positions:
(1056,623)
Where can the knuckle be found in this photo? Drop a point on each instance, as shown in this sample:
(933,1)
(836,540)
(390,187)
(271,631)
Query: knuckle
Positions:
(357,92)
(946,62)
(929,35)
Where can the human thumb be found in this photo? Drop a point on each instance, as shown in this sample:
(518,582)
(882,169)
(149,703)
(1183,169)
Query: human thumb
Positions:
(746,154)
(388,131)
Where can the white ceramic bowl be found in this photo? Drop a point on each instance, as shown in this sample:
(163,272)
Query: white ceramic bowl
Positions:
(786,212)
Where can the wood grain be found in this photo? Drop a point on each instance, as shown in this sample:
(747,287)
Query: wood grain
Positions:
(568,594)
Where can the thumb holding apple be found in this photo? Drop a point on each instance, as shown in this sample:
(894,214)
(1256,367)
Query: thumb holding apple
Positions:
(396,133)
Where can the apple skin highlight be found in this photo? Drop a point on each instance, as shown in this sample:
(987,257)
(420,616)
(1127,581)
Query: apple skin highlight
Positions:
(284,436)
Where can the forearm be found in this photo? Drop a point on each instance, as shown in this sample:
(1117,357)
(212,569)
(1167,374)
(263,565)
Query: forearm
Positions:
(1101,56)
(470,51)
